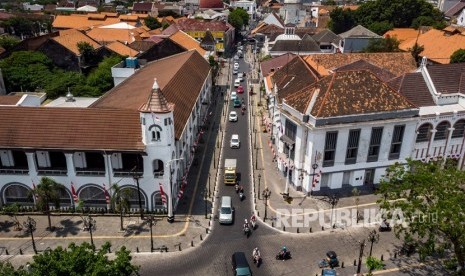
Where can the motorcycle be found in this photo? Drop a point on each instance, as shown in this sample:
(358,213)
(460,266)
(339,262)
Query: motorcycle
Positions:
(257,260)
(241,195)
(330,260)
(246,231)
(253,224)
(237,188)
(384,226)
(283,255)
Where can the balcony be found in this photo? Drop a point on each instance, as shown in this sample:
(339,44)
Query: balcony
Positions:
(14,170)
(52,171)
(159,174)
(127,173)
(90,171)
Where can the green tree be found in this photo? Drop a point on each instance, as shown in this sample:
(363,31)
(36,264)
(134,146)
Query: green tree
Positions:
(341,20)
(48,192)
(458,56)
(120,201)
(101,77)
(152,23)
(25,70)
(58,82)
(380,27)
(383,45)
(416,51)
(7,42)
(83,260)
(165,13)
(430,197)
(243,14)
(7,269)
(373,264)
(12,210)
(88,53)
(236,21)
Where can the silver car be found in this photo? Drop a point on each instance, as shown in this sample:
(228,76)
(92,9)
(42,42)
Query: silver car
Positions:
(233,116)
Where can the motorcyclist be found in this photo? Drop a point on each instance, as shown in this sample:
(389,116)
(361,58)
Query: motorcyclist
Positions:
(241,189)
(237,187)
(256,254)
(246,224)
(253,218)
(283,251)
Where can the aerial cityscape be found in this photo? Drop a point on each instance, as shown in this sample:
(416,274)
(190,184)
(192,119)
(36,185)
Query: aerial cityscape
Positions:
(235,137)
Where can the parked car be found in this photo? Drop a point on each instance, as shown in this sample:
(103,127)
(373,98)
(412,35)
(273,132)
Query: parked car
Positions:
(233,116)
(240,265)
(236,66)
(235,143)
(233,95)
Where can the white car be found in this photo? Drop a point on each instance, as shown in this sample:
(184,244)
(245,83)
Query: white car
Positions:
(237,82)
(236,66)
(233,95)
(235,143)
(240,76)
(236,57)
(233,116)
(235,71)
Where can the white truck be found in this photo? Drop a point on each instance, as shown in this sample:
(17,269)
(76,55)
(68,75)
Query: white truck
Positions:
(230,174)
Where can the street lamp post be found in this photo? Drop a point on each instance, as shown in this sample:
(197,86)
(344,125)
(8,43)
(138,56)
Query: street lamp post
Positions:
(150,219)
(314,167)
(91,225)
(286,188)
(209,176)
(359,266)
(136,178)
(333,201)
(206,202)
(30,224)
(272,122)
(259,177)
(255,142)
(373,237)
(171,201)
(256,158)
(266,194)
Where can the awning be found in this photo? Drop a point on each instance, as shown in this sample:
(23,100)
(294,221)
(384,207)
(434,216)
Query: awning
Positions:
(286,139)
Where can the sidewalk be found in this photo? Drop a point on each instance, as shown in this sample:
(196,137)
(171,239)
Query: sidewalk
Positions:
(190,228)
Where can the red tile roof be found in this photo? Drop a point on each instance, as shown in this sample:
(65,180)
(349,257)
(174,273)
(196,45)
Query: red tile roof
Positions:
(348,93)
(275,63)
(70,128)
(211,4)
(180,78)
(10,99)
(189,24)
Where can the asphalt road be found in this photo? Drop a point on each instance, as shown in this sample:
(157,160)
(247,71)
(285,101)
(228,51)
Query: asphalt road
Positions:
(213,256)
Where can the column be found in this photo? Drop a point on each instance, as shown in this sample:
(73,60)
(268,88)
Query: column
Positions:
(449,137)
(431,139)
(31,164)
(70,164)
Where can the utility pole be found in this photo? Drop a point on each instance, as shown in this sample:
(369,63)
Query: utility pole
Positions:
(362,246)
(151,221)
(30,224)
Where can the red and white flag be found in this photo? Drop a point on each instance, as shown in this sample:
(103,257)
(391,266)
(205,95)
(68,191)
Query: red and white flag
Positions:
(35,190)
(73,192)
(181,191)
(163,195)
(107,195)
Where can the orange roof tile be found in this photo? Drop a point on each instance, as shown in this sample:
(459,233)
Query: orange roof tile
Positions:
(70,128)
(129,17)
(70,38)
(122,49)
(186,41)
(110,14)
(397,63)
(438,47)
(107,35)
(81,21)
(141,15)
(10,99)
(402,34)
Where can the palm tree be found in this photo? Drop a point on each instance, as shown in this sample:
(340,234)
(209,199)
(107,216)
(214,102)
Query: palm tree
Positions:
(121,201)
(48,192)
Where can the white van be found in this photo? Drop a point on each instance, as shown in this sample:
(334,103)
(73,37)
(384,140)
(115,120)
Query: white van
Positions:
(226,210)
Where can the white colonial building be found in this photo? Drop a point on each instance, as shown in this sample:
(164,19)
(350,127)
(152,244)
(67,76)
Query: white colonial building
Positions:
(142,132)
(248,5)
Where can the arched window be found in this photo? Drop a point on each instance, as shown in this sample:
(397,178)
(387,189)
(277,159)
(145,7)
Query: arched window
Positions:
(157,201)
(92,196)
(158,168)
(156,135)
(18,193)
(424,133)
(459,129)
(441,131)
(133,197)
